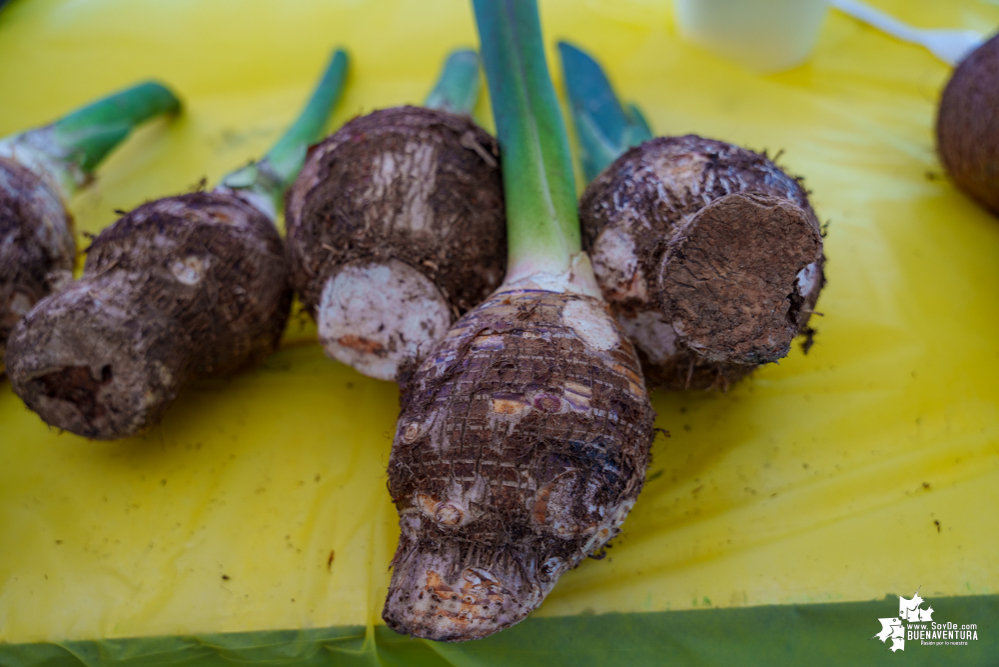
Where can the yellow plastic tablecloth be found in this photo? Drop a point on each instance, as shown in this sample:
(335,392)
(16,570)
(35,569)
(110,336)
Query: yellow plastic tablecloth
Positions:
(869,466)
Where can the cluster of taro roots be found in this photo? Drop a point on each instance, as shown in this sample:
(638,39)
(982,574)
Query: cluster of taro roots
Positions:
(525,428)
(524,433)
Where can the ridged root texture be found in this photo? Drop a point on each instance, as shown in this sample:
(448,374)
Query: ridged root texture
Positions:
(37,249)
(710,255)
(405,205)
(180,288)
(968,125)
(522,444)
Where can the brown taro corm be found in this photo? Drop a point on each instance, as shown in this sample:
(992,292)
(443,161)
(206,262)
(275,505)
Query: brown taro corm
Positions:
(710,255)
(968,125)
(524,434)
(396,228)
(180,288)
(521,446)
(40,169)
(37,248)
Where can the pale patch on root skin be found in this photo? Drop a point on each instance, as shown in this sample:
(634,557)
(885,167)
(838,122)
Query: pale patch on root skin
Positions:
(191,269)
(577,279)
(416,166)
(591,323)
(379,317)
(450,513)
(808,280)
(616,265)
(649,331)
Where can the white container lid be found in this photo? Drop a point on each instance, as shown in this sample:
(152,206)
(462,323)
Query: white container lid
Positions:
(763,35)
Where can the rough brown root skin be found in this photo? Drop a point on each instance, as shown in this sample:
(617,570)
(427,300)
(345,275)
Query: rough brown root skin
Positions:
(178,289)
(709,254)
(728,278)
(521,447)
(417,186)
(37,249)
(968,125)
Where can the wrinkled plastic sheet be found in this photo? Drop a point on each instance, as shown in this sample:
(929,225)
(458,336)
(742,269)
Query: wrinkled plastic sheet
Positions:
(254,523)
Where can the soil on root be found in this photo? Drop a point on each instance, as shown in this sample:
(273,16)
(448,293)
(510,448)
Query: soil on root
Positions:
(522,443)
(37,249)
(180,288)
(416,185)
(710,250)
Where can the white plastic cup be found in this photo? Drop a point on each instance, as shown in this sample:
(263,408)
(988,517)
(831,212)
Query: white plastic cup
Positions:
(764,35)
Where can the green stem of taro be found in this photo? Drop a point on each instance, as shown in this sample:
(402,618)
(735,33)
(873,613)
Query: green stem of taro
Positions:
(604,128)
(88,134)
(288,154)
(542,219)
(266,180)
(69,149)
(457,88)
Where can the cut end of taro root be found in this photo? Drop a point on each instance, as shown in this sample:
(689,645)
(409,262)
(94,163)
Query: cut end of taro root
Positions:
(731,281)
(380,317)
(99,385)
(432,597)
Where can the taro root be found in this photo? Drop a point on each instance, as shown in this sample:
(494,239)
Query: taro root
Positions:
(40,169)
(524,435)
(395,227)
(968,125)
(179,289)
(709,254)
(37,248)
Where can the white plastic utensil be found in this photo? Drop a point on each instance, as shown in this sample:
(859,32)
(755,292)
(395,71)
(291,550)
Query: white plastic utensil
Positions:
(950,46)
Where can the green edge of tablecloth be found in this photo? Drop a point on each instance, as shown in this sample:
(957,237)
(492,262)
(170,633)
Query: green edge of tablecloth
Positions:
(812,634)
